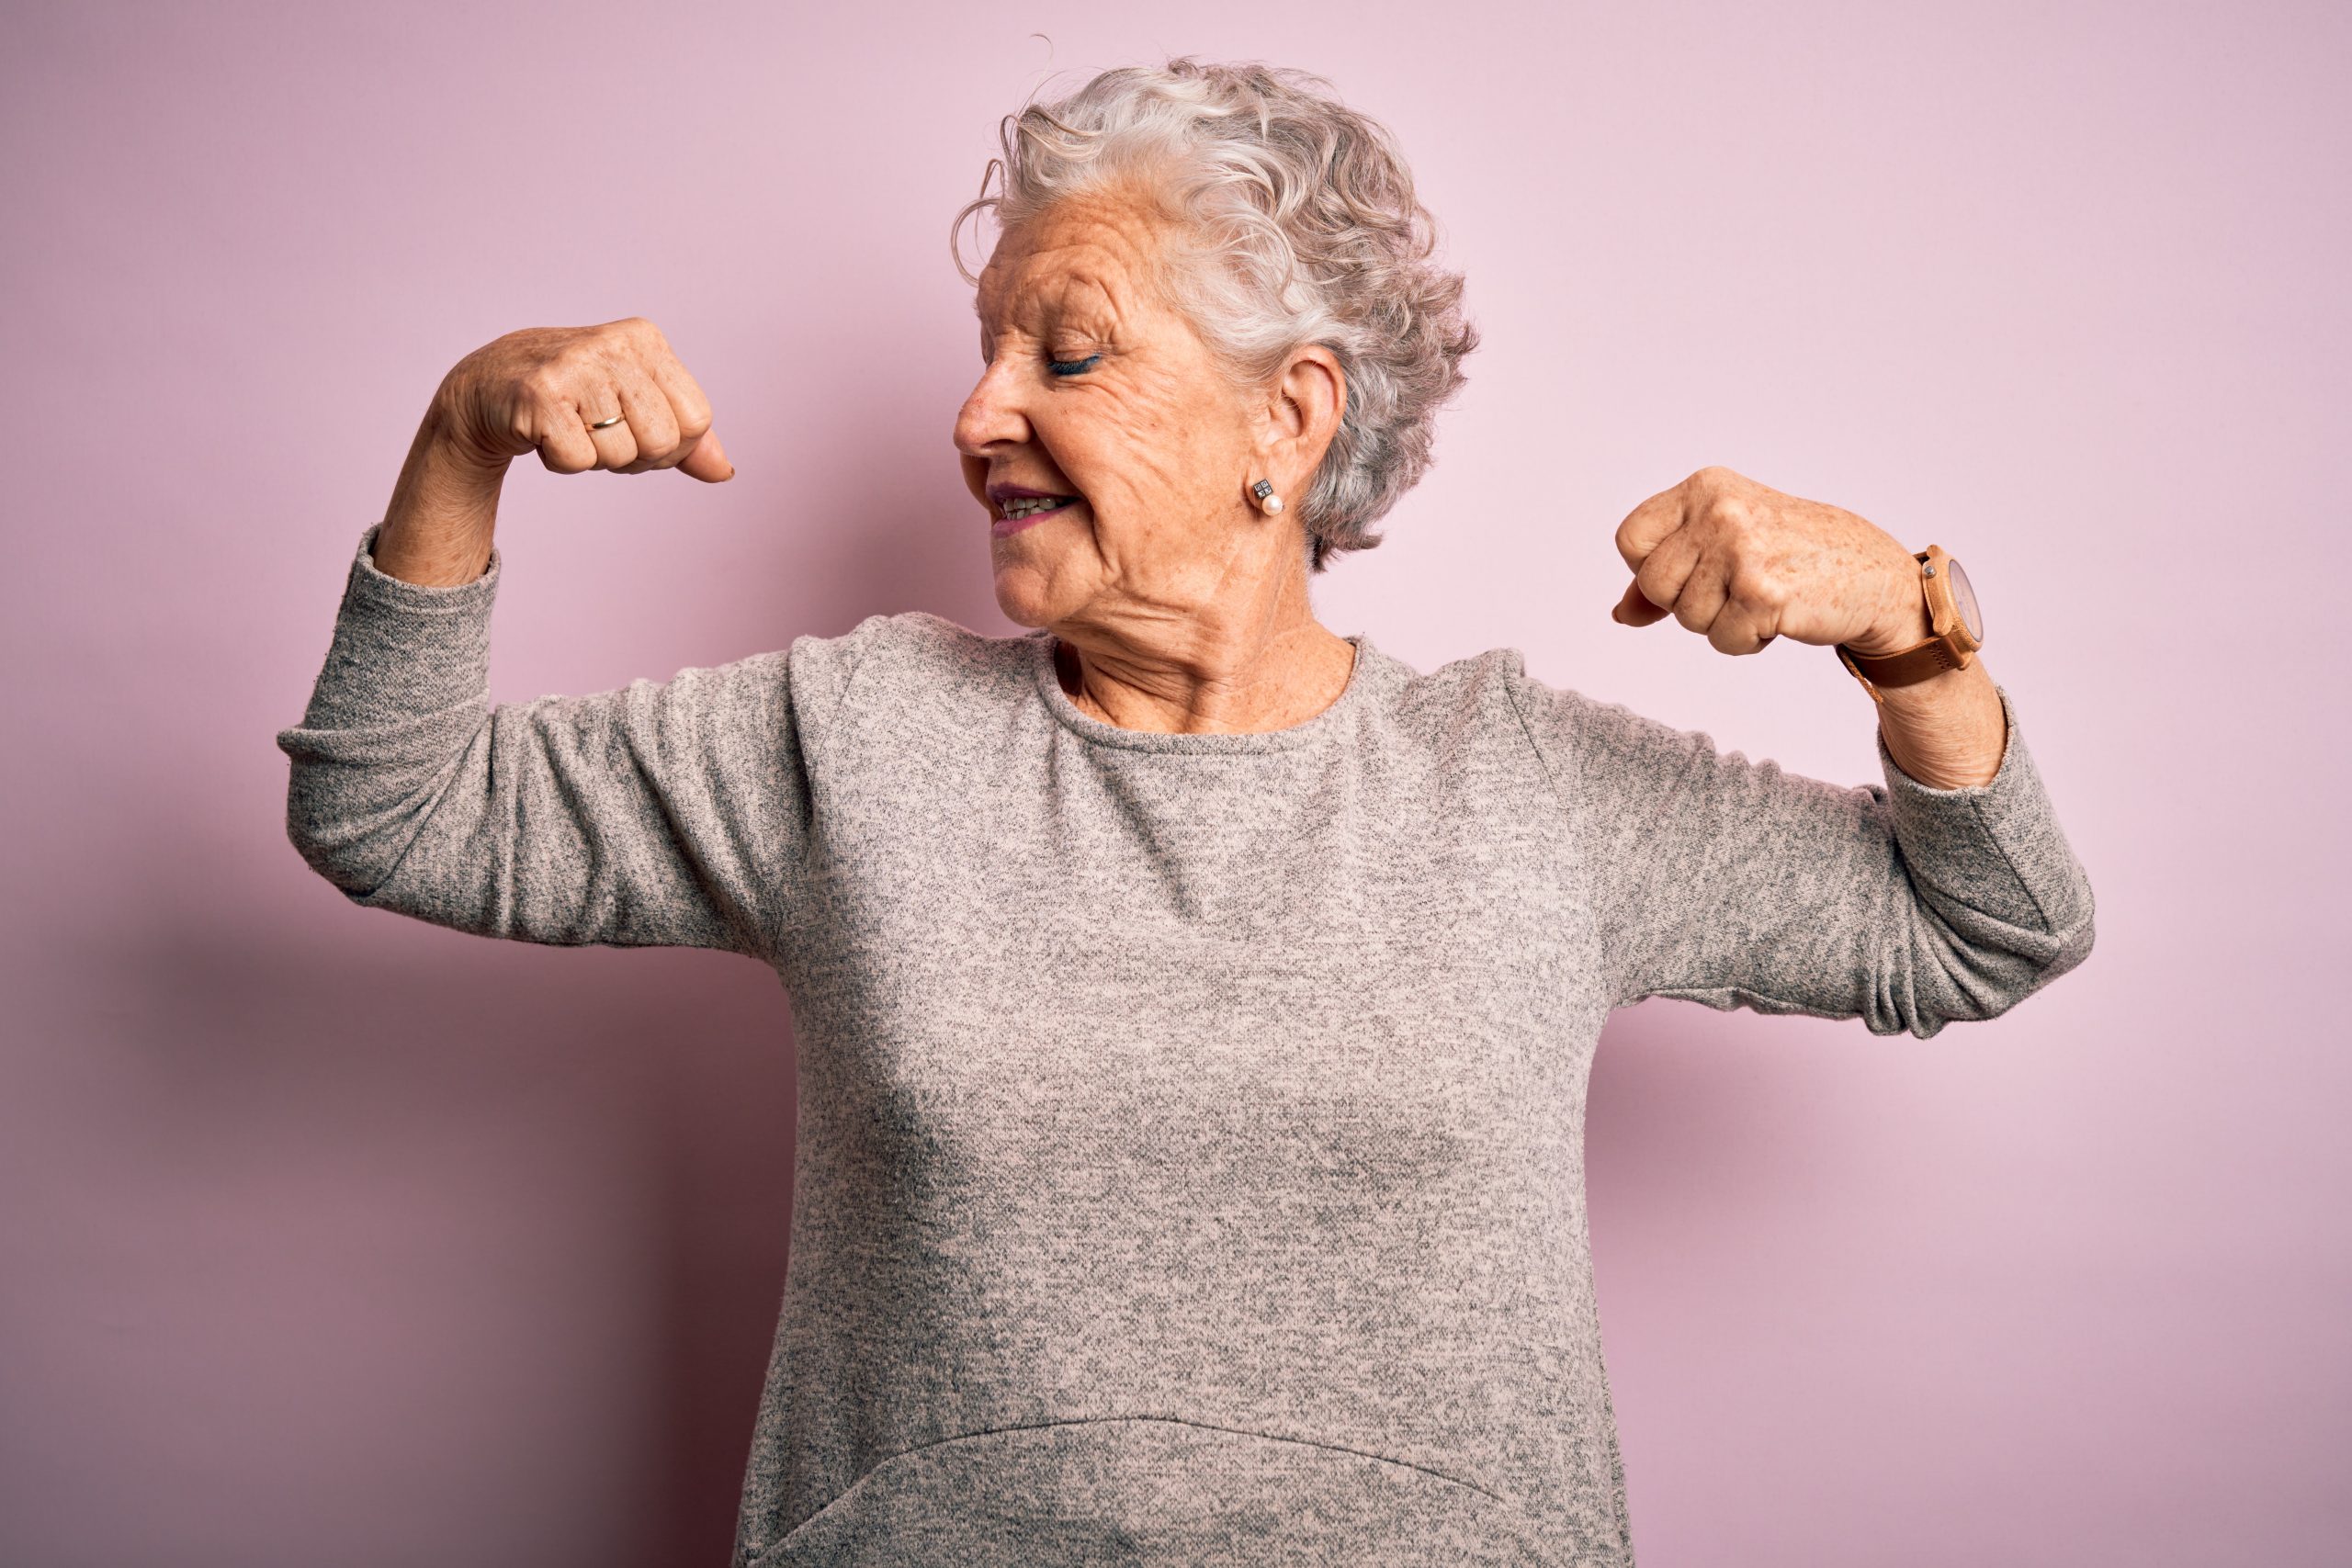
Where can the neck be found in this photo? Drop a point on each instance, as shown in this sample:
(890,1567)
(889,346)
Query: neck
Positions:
(1203,672)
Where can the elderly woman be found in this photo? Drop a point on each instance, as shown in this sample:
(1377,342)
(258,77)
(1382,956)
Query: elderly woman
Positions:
(1194,1005)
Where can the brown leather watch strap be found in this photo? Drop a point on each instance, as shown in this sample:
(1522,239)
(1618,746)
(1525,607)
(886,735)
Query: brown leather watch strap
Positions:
(1951,643)
(1907,668)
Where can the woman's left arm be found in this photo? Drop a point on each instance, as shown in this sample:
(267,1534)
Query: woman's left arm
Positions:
(1950,894)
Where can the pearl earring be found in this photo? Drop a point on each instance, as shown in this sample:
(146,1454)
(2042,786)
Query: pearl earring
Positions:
(1268,501)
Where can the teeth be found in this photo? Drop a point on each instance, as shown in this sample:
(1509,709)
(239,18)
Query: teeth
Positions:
(1028,504)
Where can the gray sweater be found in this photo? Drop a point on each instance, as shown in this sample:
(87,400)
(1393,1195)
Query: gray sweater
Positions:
(1190,1144)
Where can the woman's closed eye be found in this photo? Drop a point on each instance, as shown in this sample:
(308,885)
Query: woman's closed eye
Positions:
(1071,367)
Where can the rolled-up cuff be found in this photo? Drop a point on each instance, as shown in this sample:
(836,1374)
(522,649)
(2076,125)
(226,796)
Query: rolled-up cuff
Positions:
(422,594)
(402,648)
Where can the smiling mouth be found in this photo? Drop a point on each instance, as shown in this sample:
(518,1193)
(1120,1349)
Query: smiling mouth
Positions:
(1030,505)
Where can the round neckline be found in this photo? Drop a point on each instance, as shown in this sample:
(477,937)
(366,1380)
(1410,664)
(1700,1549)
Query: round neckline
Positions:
(1086,727)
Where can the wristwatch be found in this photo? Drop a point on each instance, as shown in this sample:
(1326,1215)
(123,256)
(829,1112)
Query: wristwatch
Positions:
(1956,628)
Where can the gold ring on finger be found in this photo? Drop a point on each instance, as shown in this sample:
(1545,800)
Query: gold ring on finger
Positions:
(606,423)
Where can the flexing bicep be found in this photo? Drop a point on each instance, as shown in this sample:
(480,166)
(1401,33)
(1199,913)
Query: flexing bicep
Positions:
(658,815)
(1735,883)
(669,813)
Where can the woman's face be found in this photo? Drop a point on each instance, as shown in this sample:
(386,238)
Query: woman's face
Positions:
(1095,388)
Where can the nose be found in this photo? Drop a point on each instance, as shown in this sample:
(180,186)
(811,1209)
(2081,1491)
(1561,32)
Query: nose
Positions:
(992,415)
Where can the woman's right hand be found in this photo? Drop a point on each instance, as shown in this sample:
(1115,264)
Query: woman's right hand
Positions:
(542,388)
(538,389)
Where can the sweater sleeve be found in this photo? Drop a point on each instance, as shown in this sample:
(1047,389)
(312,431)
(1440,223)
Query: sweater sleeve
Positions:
(1733,883)
(669,813)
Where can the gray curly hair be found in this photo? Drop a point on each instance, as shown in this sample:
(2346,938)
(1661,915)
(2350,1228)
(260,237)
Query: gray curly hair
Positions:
(1307,208)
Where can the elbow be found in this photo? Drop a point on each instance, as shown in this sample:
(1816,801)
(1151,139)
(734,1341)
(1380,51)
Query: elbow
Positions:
(356,853)
(331,860)
(1982,974)
(2069,929)
(2073,942)
(358,802)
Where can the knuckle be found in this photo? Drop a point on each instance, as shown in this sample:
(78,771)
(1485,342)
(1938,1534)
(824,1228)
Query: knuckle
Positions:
(1628,540)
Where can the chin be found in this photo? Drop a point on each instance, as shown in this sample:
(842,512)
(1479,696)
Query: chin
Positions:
(1023,596)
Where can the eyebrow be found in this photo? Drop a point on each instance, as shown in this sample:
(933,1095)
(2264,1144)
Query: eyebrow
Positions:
(1058,302)
(1082,297)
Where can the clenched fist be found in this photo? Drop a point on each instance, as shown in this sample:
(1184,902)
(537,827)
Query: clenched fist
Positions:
(542,390)
(547,389)
(1743,563)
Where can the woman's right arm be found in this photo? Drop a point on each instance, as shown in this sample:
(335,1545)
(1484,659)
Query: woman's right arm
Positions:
(659,814)
(540,390)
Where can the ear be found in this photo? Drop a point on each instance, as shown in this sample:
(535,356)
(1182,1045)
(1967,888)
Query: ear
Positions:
(1300,416)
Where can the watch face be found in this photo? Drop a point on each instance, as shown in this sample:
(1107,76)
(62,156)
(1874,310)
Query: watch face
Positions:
(1964,599)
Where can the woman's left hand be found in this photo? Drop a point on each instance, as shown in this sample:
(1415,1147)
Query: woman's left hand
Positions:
(1743,563)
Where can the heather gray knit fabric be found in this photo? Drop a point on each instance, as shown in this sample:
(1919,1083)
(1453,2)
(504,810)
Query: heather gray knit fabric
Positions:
(1190,1130)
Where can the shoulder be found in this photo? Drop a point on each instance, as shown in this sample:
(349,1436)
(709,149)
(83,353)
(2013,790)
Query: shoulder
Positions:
(1454,699)
(906,661)
(1495,686)
(914,644)
(1574,735)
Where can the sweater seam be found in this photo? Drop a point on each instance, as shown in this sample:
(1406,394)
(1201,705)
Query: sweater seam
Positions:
(953,1438)
(1551,781)
(484,710)
(1983,827)
(1693,993)
(779,928)
(1567,814)
(833,719)
(1974,801)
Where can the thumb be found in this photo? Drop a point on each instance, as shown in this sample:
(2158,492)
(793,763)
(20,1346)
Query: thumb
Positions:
(1635,608)
(708,461)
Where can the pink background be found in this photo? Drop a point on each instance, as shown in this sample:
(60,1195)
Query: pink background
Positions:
(333,1238)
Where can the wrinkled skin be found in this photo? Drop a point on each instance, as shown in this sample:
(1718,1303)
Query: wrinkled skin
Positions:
(1180,604)
(1741,563)
(1181,607)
